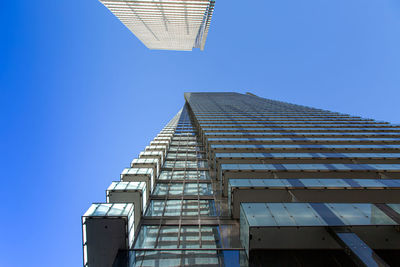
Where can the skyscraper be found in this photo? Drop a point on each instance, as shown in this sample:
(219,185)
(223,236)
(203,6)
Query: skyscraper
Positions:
(167,24)
(238,180)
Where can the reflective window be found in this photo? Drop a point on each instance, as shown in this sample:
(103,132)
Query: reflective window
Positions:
(189,156)
(337,167)
(184,175)
(395,207)
(297,128)
(182,258)
(186,189)
(307,155)
(313,214)
(181,208)
(175,237)
(306,146)
(302,133)
(185,164)
(359,214)
(184,143)
(260,139)
(184,149)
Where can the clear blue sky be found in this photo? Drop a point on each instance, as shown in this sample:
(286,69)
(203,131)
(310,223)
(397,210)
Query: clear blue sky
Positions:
(81,96)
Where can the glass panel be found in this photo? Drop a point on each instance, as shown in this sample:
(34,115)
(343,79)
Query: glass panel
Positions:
(118,209)
(304,214)
(239,182)
(334,183)
(168,237)
(191,189)
(118,186)
(359,214)
(205,189)
(190,208)
(369,183)
(276,182)
(209,236)
(101,210)
(176,189)
(179,175)
(205,175)
(342,167)
(189,237)
(147,237)
(173,208)
(155,208)
(396,207)
(311,182)
(306,146)
(281,214)
(90,211)
(201,258)
(165,175)
(257,214)
(161,189)
(184,175)
(183,258)
(203,164)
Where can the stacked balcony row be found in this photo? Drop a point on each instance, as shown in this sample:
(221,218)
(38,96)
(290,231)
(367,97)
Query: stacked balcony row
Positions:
(110,228)
(180,225)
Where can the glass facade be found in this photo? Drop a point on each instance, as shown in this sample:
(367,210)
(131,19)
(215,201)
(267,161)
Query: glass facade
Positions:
(238,180)
(166,25)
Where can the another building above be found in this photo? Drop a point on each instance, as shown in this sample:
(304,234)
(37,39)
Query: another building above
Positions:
(165,24)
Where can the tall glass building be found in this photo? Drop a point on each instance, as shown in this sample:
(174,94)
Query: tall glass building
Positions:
(168,24)
(239,180)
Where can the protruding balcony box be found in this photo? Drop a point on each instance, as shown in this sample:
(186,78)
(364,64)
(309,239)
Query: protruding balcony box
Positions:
(311,148)
(311,190)
(162,148)
(147,163)
(159,143)
(168,134)
(294,171)
(106,229)
(163,138)
(140,175)
(129,192)
(168,129)
(271,225)
(152,155)
(303,158)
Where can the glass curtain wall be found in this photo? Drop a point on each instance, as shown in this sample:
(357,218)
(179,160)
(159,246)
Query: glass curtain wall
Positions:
(184,222)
